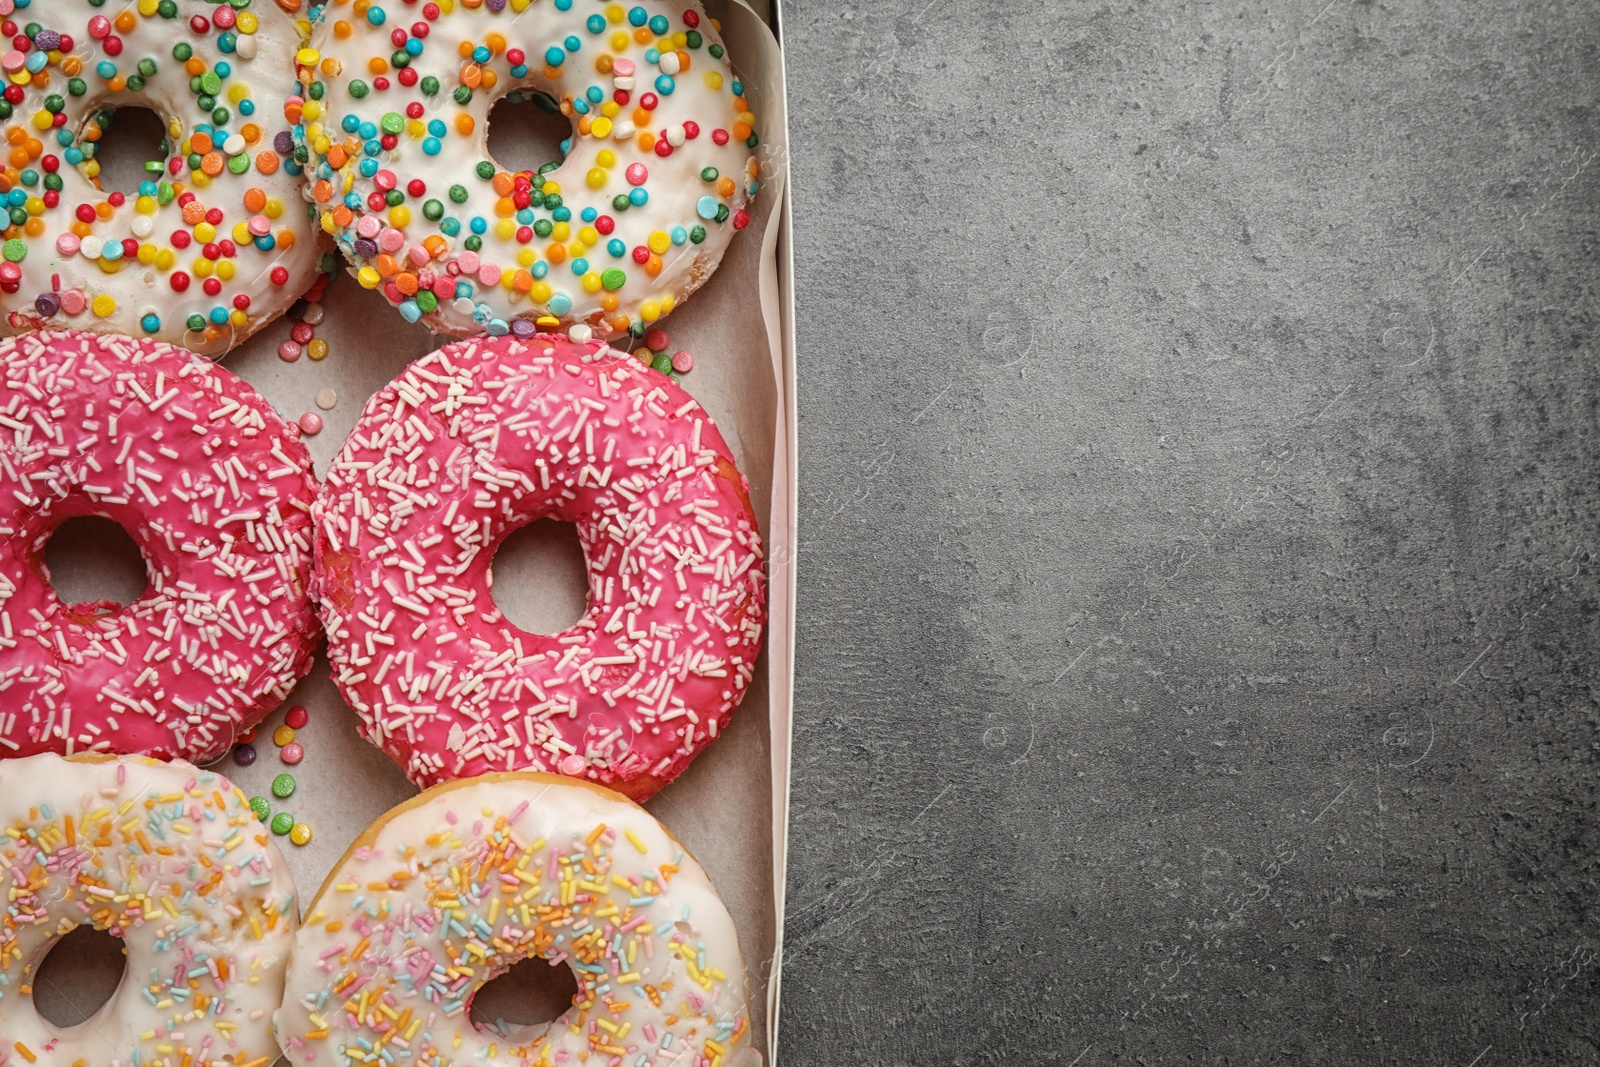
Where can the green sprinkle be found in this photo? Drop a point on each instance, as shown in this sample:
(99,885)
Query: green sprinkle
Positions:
(282,823)
(662,363)
(15,250)
(262,807)
(393,122)
(433,210)
(459,194)
(210,83)
(710,174)
(283,786)
(430,86)
(485,170)
(614,278)
(358,89)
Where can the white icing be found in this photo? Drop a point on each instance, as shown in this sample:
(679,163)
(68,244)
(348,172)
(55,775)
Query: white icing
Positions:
(483,296)
(59,263)
(414,922)
(172,860)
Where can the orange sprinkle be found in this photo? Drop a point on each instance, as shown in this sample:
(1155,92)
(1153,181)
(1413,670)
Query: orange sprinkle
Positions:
(255,200)
(201,143)
(267,162)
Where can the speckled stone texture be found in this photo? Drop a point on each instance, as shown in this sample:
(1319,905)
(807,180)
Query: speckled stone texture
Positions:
(1197,656)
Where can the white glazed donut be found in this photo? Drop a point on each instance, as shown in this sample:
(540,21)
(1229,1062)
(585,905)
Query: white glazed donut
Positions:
(445,892)
(654,183)
(201,254)
(171,860)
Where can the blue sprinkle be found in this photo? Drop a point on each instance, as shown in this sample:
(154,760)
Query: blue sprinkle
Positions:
(706,207)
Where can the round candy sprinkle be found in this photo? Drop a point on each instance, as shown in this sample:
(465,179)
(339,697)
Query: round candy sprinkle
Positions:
(244,755)
(292,753)
(301,834)
(262,807)
(283,735)
(296,717)
(683,362)
(326,399)
(572,765)
(283,786)
(282,823)
(310,423)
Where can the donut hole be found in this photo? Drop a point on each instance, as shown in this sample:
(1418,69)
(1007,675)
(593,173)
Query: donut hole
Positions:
(92,561)
(79,974)
(531,992)
(130,137)
(539,578)
(526,131)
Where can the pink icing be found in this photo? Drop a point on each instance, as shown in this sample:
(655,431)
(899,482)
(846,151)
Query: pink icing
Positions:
(213,487)
(483,437)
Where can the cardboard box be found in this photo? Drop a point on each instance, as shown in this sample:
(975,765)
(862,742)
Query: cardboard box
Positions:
(731,807)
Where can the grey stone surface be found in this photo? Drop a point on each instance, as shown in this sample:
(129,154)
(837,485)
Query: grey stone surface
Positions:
(1197,576)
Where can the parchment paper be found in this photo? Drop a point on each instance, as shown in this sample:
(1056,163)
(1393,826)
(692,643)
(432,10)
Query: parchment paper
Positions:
(730,807)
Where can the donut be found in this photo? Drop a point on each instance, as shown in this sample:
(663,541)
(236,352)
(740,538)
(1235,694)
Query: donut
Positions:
(655,179)
(214,487)
(467,445)
(217,240)
(170,860)
(447,891)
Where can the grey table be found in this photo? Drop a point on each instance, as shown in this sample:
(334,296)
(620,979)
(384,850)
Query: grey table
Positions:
(1199,452)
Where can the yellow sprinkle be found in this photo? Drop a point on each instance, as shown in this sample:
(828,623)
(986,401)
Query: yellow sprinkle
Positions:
(633,840)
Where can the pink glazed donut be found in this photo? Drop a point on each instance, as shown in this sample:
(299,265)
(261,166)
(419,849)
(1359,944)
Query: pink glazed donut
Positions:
(215,489)
(486,436)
